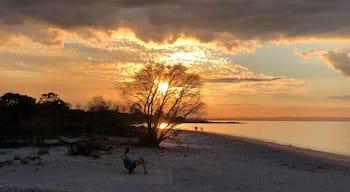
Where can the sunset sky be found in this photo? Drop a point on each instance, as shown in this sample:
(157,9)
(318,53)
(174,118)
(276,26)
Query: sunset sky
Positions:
(258,58)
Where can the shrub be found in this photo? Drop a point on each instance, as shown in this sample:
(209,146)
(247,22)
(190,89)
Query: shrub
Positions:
(89,147)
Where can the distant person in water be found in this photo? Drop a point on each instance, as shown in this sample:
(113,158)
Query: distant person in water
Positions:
(130,163)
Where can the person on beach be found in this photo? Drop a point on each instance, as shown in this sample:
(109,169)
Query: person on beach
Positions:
(130,163)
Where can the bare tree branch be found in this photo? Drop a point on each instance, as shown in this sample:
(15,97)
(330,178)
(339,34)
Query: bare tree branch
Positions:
(178,98)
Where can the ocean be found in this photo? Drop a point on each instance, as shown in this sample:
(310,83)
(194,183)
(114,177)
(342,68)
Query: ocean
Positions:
(327,136)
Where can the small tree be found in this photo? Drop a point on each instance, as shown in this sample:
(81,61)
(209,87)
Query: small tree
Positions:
(51,101)
(166,95)
(135,108)
(99,104)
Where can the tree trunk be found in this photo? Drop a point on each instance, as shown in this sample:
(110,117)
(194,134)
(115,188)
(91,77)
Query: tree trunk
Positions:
(151,137)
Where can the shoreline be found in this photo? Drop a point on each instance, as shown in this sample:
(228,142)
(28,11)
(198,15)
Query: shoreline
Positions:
(194,161)
(336,158)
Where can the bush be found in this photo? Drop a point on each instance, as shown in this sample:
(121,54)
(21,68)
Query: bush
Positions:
(88,147)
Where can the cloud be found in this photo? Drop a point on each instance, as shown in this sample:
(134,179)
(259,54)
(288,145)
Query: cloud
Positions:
(238,80)
(342,97)
(106,57)
(338,60)
(234,79)
(117,60)
(42,34)
(232,24)
(304,54)
(237,104)
(262,88)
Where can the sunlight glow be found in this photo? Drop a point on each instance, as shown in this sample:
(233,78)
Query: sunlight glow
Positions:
(188,57)
(185,57)
(163,86)
(163,125)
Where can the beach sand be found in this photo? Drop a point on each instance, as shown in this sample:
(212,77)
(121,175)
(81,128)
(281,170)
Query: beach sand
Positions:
(196,161)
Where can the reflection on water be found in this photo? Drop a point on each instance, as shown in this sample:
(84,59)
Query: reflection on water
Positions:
(329,136)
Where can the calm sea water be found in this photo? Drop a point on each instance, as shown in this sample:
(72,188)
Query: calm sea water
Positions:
(328,136)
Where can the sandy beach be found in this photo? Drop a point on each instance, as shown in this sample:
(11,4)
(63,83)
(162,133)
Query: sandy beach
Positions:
(196,161)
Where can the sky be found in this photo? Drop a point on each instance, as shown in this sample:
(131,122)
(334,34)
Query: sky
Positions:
(257,58)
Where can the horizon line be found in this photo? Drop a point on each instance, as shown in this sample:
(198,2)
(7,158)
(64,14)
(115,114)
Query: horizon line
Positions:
(282,118)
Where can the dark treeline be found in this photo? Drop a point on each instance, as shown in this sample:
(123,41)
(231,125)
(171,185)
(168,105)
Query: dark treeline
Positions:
(22,116)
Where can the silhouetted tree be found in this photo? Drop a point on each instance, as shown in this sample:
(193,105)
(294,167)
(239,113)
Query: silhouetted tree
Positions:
(51,101)
(18,105)
(135,108)
(21,116)
(99,104)
(16,111)
(136,114)
(166,95)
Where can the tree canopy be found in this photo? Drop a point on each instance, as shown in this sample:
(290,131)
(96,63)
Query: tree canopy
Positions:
(18,105)
(99,104)
(166,94)
(51,101)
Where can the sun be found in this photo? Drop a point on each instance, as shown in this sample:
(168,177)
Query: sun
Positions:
(163,86)
(163,125)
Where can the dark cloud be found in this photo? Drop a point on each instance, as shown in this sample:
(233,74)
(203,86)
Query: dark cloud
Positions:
(239,80)
(62,13)
(207,20)
(338,60)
